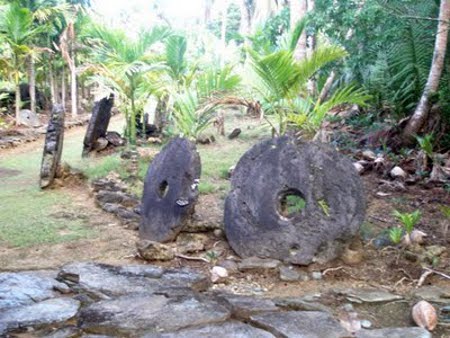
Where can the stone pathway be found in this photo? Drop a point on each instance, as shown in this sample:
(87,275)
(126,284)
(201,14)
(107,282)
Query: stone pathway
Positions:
(93,300)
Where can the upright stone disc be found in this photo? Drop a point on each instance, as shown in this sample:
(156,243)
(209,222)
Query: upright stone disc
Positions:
(53,146)
(98,124)
(170,191)
(296,202)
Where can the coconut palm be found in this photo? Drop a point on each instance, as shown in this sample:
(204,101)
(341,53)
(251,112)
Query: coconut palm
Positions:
(122,65)
(18,31)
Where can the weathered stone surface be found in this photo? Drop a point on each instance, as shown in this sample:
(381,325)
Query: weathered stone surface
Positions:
(289,274)
(105,281)
(170,191)
(229,329)
(114,138)
(300,304)
(235,133)
(28,118)
(142,312)
(272,171)
(242,307)
(98,124)
(23,288)
(370,296)
(187,243)
(154,251)
(52,147)
(434,294)
(50,311)
(256,263)
(300,324)
(410,332)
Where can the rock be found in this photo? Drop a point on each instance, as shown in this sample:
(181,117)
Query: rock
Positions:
(243,307)
(154,140)
(138,313)
(24,288)
(369,155)
(232,329)
(201,226)
(434,294)
(218,273)
(29,119)
(366,324)
(170,191)
(154,251)
(398,172)
(218,233)
(352,257)
(370,296)
(48,312)
(300,324)
(410,332)
(66,332)
(424,315)
(300,304)
(325,192)
(359,167)
(103,281)
(288,274)
(98,124)
(234,134)
(53,146)
(230,265)
(202,139)
(316,275)
(256,263)
(100,144)
(115,139)
(187,242)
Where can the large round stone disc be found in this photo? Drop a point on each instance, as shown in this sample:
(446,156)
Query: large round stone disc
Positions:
(170,191)
(328,205)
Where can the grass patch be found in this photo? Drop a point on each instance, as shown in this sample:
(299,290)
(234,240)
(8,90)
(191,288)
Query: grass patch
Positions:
(27,220)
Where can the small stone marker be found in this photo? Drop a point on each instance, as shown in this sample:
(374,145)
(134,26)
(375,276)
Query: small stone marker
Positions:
(98,124)
(170,191)
(53,147)
(29,119)
(295,202)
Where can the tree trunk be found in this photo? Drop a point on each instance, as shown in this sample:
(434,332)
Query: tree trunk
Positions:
(421,112)
(246,15)
(63,87)
(32,82)
(310,47)
(73,91)
(223,35)
(160,112)
(18,103)
(299,8)
(327,86)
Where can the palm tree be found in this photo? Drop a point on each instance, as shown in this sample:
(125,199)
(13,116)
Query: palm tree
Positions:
(122,65)
(18,31)
(278,78)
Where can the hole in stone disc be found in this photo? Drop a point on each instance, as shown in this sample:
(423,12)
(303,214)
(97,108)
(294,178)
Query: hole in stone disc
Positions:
(291,203)
(163,189)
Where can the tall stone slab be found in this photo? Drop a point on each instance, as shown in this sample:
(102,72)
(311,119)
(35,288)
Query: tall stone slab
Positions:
(296,202)
(53,147)
(170,191)
(98,124)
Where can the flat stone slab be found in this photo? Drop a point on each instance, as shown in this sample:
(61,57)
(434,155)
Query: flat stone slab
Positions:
(98,124)
(170,191)
(258,218)
(24,288)
(53,146)
(155,313)
(295,324)
(48,312)
(230,329)
(406,332)
(243,307)
(256,263)
(105,281)
(370,296)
